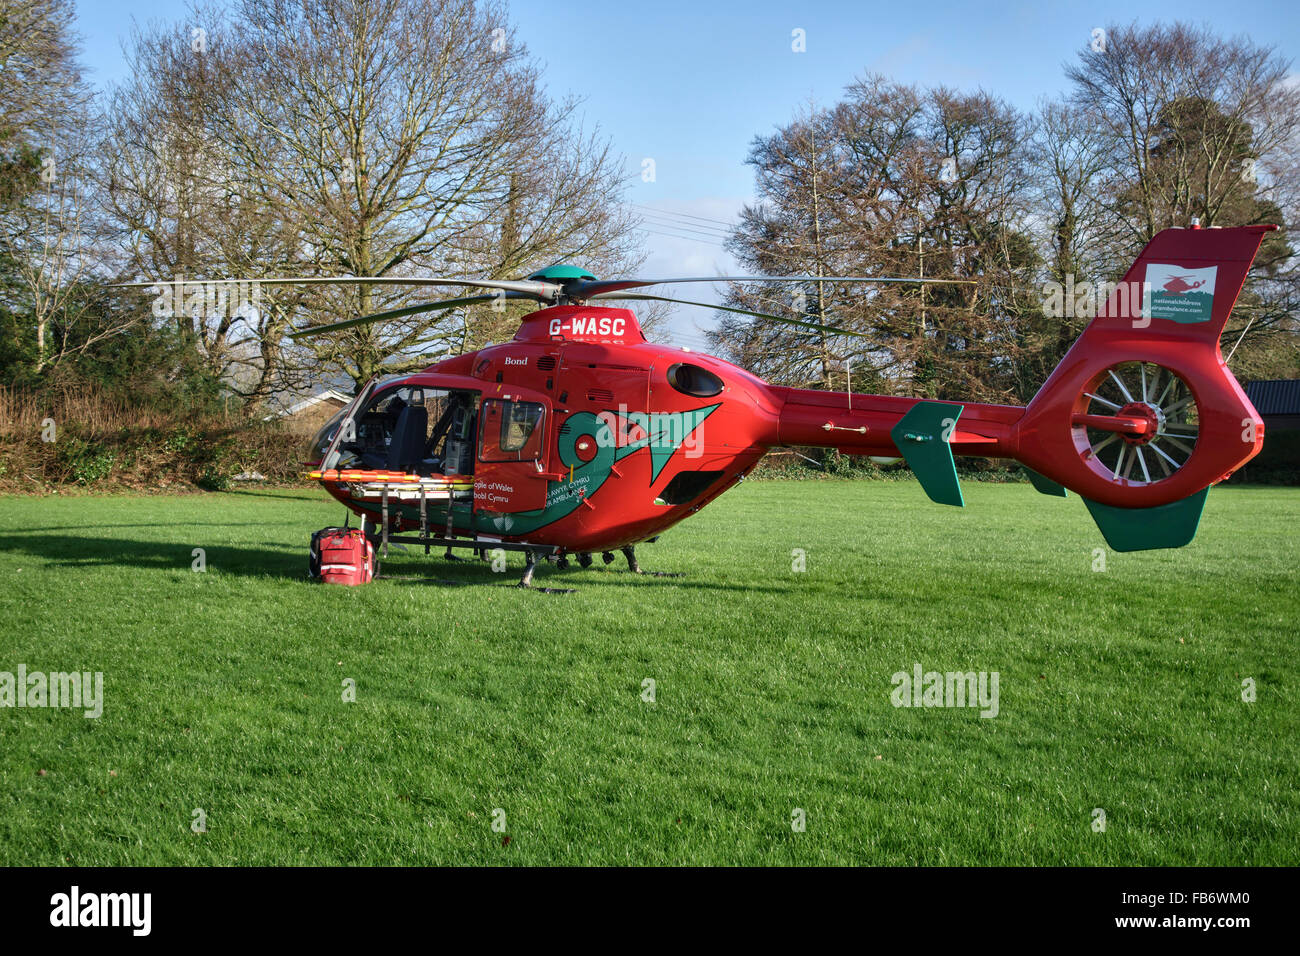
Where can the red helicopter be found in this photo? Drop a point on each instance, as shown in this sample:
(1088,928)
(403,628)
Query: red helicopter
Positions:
(579,436)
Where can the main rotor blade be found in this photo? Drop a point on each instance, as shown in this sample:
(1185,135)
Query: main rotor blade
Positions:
(403,312)
(529,287)
(586,290)
(728,308)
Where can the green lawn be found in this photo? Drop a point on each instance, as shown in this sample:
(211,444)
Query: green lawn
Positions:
(1119,690)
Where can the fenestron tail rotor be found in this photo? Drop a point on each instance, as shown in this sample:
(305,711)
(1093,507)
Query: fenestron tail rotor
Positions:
(1139,425)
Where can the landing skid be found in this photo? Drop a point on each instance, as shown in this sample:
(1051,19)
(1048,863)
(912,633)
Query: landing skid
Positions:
(427,540)
(535,557)
(534,553)
(635,566)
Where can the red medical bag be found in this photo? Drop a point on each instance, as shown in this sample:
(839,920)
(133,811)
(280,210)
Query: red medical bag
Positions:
(342,556)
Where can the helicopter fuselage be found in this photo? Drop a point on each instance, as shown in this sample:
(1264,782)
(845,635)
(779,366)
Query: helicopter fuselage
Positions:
(587,437)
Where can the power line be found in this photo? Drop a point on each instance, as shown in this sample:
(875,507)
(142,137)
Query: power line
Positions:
(666,224)
(684,215)
(670,235)
(692,226)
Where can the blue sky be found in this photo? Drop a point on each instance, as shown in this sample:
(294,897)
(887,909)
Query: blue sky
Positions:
(689,84)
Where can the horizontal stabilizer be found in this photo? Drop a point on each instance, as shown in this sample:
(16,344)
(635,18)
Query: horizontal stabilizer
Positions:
(922,437)
(1146,529)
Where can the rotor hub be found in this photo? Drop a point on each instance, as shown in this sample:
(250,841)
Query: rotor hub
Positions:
(1153,415)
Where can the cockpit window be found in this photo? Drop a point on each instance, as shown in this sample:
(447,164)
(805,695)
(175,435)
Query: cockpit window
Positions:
(320,442)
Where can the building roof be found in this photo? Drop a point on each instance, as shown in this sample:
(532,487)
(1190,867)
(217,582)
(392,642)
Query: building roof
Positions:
(328,395)
(1280,396)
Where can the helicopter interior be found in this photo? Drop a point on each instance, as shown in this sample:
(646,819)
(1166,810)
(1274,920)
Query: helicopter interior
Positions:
(415,430)
(430,432)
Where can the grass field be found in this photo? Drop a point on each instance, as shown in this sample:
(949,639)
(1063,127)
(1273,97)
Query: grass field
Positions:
(1119,690)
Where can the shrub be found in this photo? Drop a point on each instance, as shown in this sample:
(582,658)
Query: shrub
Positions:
(84,462)
(103,440)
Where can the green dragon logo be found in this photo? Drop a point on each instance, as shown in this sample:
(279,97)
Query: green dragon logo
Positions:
(662,432)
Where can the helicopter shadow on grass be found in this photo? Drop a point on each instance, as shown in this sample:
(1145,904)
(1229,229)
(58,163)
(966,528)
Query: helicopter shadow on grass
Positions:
(277,560)
(138,524)
(466,572)
(268,558)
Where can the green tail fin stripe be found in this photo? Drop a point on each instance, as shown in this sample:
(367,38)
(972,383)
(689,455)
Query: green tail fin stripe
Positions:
(921,436)
(1146,529)
(1045,485)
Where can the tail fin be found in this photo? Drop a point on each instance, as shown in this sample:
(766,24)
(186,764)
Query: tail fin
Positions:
(1142,414)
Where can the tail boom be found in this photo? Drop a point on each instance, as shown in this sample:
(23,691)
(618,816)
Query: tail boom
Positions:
(860,424)
(1140,418)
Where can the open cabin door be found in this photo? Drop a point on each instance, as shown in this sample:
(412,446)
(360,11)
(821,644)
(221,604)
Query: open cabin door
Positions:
(513,467)
(341,428)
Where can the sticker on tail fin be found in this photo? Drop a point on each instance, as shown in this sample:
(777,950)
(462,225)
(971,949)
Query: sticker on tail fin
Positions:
(1180,294)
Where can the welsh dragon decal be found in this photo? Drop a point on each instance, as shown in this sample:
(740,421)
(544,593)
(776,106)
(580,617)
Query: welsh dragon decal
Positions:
(661,432)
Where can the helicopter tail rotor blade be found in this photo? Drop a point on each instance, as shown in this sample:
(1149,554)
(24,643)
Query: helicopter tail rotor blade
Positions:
(403,312)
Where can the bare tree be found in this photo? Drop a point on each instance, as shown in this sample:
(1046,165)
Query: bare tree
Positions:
(50,232)
(1187,116)
(1074,230)
(893,181)
(351,138)
(793,228)
(1068,157)
(186,211)
(408,136)
(1198,127)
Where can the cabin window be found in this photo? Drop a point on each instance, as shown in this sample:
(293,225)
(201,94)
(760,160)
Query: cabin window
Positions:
(510,431)
(693,380)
